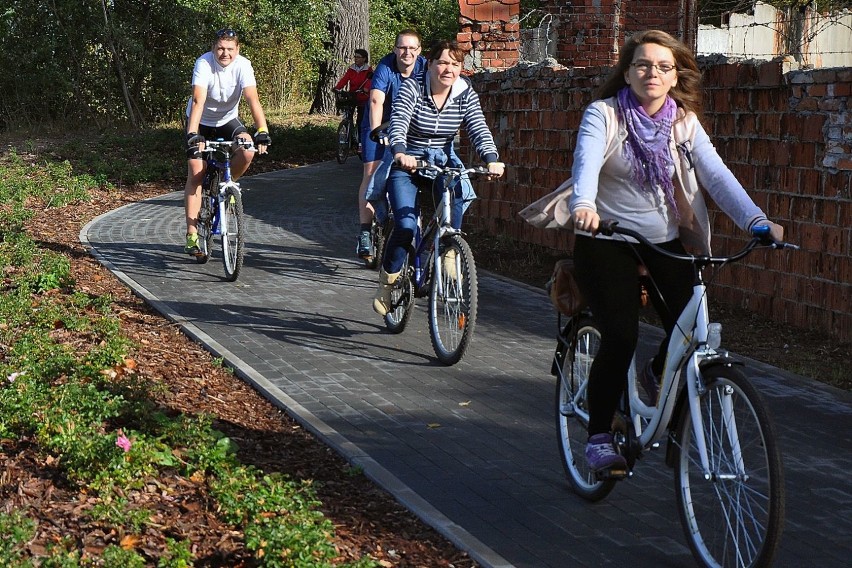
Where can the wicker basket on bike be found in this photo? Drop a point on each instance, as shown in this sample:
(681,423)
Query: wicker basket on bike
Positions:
(344,100)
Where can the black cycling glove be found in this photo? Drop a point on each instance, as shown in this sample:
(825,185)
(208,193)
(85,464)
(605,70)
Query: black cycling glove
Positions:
(194,139)
(262,138)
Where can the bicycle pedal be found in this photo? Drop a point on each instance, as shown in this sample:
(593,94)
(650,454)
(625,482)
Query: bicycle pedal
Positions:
(612,474)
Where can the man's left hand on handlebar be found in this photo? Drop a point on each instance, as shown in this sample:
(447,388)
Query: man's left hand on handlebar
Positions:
(262,140)
(496,169)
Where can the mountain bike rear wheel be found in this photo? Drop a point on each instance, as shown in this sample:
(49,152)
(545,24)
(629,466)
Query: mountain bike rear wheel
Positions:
(453,301)
(377,244)
(733,515)
(343,141)
(402,301)
(206,217)
(233,233)
(572,407)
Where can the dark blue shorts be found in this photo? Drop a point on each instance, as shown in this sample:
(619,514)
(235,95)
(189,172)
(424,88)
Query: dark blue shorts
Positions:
(370,151)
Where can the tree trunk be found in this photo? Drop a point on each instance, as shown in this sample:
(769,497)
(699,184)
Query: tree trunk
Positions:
(349,29)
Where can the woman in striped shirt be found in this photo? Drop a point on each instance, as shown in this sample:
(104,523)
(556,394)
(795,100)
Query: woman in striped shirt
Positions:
(425,118)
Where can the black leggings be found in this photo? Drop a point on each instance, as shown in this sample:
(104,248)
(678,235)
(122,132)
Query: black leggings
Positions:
(606,272)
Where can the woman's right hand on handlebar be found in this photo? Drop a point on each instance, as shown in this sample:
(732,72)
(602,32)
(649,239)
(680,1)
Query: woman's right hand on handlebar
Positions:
(405,161)
(587,220)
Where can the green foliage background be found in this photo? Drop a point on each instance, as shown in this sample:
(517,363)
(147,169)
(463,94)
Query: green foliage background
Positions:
(103,63)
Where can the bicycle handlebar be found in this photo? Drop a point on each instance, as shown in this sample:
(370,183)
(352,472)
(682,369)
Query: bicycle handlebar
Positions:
(227,147)
(448,170)
(760,237)
(379,134)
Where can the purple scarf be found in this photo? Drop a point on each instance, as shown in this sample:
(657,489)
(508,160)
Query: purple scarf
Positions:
(647,145)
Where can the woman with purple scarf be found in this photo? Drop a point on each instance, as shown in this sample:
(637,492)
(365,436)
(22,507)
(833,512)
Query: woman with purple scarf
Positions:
(641,151)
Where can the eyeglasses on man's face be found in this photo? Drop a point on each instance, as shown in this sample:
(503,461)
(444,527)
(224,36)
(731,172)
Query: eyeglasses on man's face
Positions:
(644,67)
(226,33)
(407,48)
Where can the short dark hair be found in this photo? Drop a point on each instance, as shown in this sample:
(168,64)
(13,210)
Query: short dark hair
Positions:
(409,32)
(363,52)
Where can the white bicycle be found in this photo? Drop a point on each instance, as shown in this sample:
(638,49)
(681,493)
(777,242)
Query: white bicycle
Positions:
(721,443)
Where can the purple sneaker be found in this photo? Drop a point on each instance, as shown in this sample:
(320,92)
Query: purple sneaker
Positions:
(650,383)
(601,454)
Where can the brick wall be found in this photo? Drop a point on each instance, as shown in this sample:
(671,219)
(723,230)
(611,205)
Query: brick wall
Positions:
(489,32)
(786,134)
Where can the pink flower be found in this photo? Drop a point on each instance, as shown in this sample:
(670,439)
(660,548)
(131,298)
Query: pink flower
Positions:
(11,378)
(123,442)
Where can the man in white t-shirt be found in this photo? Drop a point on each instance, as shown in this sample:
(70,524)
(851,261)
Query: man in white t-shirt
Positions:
(220,78)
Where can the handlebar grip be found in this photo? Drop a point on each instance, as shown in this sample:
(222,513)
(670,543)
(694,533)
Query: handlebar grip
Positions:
(378,134)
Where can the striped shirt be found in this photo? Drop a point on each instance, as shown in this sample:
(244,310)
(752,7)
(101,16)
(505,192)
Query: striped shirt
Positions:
(416,122)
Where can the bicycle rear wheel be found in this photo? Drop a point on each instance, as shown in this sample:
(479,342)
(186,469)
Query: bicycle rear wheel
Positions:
(233,234)
(377,244)
(734,518)
(206,217)
(343,141)
(453,301)
(402,302)
(572,407)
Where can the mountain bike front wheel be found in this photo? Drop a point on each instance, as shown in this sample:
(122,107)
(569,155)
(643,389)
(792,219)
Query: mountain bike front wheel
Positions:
(453,301)
(343,141)
(233,233)
(732,515)
(572,407)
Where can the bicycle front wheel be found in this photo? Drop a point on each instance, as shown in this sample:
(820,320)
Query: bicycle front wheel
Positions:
(733,514)
(453,301)
(233,234)
(343,142)
(572,407)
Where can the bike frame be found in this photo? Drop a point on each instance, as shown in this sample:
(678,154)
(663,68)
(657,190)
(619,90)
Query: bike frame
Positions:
(219,223)
(439,226)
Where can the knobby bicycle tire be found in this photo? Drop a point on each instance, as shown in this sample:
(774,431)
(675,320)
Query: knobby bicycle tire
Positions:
(377,240)
(233,234)
(453,302)
(343,141)
(575,361)
(402,301)
(736,517)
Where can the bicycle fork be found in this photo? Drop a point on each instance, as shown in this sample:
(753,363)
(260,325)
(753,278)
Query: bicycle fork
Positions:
(696,389)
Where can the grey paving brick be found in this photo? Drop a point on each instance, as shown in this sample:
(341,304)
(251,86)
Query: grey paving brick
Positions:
(471,448)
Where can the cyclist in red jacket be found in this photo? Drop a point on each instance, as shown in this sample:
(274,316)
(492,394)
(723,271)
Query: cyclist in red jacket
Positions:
(357,80)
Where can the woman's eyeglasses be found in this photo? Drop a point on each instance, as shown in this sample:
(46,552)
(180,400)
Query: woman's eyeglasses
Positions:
(226,33)
(643,67)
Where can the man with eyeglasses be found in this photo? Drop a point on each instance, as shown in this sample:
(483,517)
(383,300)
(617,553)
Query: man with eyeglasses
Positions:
(220,78)
(405,61)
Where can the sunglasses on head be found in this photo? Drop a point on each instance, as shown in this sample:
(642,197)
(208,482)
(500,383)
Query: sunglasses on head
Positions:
(226,33)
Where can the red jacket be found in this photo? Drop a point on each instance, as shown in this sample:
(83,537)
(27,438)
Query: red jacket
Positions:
(357,80)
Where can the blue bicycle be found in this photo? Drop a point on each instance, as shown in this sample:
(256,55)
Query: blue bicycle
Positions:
(222,206)
(439,263)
